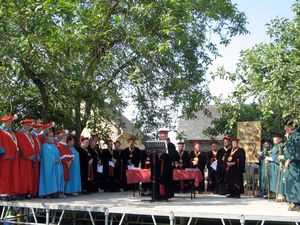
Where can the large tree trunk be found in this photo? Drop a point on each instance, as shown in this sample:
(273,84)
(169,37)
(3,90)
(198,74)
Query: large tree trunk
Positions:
(42,89)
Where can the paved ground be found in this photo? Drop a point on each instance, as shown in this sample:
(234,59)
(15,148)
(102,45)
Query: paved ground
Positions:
(203,206)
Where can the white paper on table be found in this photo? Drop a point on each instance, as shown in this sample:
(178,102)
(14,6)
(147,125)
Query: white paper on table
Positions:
(214,165)
(130,167)
(99,168)
(110,163)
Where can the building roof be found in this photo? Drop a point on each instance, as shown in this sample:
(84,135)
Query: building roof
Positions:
(193,129)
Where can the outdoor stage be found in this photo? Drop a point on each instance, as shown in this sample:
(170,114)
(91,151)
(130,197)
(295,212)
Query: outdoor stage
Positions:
(114,208)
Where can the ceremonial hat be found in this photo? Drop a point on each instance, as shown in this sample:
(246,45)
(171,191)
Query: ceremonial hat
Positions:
(37,125)
(117,141)
(49,125)
(163,131)
(196,143)
(82,138)
(289,122)
(180,143)
(26,121)
(266,141)
(275,134)
(9,118)
(60,132)
(235,139)
(226,138)
(73,133)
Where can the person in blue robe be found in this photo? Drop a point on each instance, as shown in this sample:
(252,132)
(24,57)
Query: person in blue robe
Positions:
(51,171)
(74,185)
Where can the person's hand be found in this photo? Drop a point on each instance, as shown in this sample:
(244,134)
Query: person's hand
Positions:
(280,157)
(230,163)
(287,164)
(114,161)
(91,161)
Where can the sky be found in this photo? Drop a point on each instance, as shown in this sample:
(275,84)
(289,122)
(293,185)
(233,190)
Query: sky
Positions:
(258,13)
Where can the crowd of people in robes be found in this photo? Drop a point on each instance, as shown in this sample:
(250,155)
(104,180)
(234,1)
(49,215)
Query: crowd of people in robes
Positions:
(279,171)
(35,161)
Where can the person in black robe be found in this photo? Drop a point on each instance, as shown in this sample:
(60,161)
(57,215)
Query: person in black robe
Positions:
(198,160)
(94,151)
(235,168)
(172,150)
(86,165)
(118,171)
(221,179)
(211,167)
(146,159)
(131,158)
(109,168)
(181,162)
(162,170)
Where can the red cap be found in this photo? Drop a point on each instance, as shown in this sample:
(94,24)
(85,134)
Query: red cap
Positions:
(27,121)
(180,143)
(60,132)
(226,138)
(37,125)
(82,138)
(49,125)
(117,141)
(235,139)
(196,142)
(9,118)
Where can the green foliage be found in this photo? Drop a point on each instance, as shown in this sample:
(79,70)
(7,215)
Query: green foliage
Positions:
(268,77)
(74,61)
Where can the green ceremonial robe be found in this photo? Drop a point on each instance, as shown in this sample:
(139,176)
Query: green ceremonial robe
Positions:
(263,177)
(274,169)
(292,174)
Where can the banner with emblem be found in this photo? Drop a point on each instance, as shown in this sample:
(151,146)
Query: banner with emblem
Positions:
(249,133)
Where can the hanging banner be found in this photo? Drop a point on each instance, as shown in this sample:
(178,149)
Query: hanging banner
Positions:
(249,133)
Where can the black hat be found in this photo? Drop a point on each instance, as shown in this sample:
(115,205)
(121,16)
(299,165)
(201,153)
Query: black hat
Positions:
(275,134)
(289,122)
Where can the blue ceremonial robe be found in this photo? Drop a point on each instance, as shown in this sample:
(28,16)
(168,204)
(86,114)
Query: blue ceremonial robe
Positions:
(74,184)
(51,173)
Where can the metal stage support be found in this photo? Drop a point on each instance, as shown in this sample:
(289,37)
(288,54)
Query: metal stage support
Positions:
(43,216)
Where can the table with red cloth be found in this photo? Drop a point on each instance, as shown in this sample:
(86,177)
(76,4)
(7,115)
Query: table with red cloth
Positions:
(143,175)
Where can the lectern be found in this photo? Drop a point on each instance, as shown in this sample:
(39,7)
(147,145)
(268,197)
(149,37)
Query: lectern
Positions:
(154,148)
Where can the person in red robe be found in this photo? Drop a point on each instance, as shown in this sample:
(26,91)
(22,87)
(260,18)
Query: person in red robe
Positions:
(67,156)
(28,157)
(37,129)
(10,183)
(46,129)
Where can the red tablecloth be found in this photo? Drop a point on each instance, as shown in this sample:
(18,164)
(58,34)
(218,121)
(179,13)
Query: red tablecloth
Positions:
(143,175)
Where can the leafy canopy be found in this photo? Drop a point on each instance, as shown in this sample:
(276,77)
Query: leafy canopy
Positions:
(268,77)
(73,61)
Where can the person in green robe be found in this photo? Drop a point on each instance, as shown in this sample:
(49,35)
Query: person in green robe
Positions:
(275,166)
(292,165)
(263,179)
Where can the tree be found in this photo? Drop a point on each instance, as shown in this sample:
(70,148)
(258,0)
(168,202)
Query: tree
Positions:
(73,61)
(268,76)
